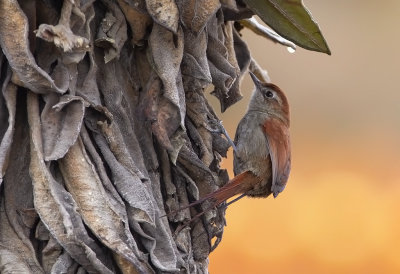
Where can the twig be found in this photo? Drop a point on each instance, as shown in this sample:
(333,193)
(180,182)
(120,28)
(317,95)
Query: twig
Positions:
(259,29)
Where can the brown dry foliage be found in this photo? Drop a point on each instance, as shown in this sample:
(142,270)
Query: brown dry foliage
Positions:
(105,128)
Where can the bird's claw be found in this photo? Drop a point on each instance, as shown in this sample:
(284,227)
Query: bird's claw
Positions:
(220,129)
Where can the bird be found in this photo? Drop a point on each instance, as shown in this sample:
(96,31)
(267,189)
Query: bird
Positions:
(262,154)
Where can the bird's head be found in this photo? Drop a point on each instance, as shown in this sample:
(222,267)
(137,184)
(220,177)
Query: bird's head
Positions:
(269,98)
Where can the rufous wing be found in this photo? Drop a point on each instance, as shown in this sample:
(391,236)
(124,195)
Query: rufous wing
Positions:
(278,141)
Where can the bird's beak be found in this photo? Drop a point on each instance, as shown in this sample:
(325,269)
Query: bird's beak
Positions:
(255,80)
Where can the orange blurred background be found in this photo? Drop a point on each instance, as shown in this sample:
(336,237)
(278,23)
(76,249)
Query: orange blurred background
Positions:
(340,210)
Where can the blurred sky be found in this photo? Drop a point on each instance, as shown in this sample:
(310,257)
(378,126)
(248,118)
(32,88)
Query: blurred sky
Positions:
(340,210)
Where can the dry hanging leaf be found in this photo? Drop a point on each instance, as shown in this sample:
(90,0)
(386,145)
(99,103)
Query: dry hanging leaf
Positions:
(62,37)
(61,120)
(15,45)
(55,205)
(18,198)
(194,63)
(165,13)
(112,32)
(15,256)
(196,13)
(95,209)
(9,91)
(167,52)
(138,19)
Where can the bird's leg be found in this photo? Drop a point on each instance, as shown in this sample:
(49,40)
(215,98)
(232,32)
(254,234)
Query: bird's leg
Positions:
(235,200)
(195,218)
(220,129)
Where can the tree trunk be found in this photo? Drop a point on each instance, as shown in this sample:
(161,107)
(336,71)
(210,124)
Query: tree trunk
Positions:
(105,129)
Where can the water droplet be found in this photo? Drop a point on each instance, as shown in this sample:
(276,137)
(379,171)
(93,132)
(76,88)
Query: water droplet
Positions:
(291,50)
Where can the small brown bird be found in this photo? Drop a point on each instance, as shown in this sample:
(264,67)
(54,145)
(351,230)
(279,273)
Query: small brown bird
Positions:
(262,154)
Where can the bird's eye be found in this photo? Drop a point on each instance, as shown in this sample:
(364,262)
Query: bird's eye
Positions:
(269,94)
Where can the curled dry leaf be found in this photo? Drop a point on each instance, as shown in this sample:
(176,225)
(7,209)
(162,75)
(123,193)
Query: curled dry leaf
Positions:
(167,52)
(196,13)
(233,95)
(242,53)
(96,211)
(258,71)
(55,205)
(223,63)
(223,73)
(50,253)
(61,120)
(165,13)
(112,32)
(169,124)
(128,184)
(9,91)
(62,37)
(141,212)
(18,200)
(235,10)
(15,45)
(112,194)
(64,264)
(15,256)
(139,20)
(194,63)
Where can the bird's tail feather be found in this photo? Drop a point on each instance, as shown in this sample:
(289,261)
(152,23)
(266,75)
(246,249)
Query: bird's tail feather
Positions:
(240,184)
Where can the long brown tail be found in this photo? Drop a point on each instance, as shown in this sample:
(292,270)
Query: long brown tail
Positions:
(241,183)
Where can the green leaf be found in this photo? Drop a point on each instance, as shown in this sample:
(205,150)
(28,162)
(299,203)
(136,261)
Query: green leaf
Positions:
(292,20)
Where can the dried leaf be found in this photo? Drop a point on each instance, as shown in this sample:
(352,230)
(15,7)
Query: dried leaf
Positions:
(15,45)
(55,206)
(61,119)
(138,20)
(62,37)
(18,198)
(12,263)
(50,254)
(112,194)
(88,89)
(85,186)
(121,135)
(64,264)
(161,244)
(128,184)
(112,32)
(201,245)
(258,71)
(165,13)
(237,52)
(171,107)
(196,13)
(14,254)
(219,55)
(167,52)
(235,10)
(233,94)
(242,53)
(9,91)
(194,63)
